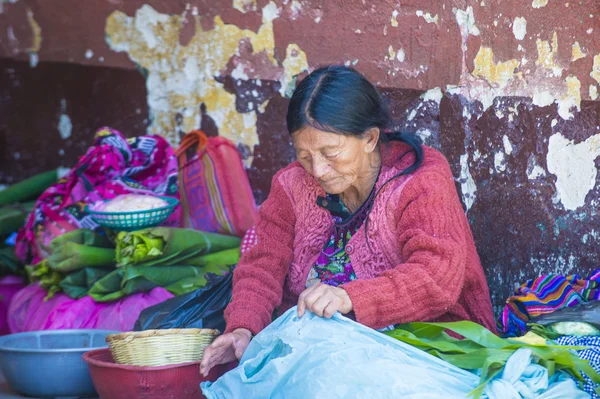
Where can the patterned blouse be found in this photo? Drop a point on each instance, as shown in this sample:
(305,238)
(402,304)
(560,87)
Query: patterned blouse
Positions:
(333,266)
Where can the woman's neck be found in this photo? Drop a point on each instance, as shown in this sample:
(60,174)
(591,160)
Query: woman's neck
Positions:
(359,192)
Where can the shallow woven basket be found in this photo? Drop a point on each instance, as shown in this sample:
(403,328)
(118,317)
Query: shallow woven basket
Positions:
(160,347)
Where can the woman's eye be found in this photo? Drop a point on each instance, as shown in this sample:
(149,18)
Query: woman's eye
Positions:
(331,155)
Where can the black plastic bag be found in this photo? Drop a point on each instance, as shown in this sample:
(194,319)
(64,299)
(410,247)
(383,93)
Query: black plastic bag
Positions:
(202,308)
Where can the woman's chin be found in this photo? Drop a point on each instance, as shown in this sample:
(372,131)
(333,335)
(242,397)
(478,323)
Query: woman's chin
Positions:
(332,188)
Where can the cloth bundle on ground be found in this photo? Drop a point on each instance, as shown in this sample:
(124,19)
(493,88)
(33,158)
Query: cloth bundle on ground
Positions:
(338,358)
(544,295)
(29,311)
(111,167)
(9,286)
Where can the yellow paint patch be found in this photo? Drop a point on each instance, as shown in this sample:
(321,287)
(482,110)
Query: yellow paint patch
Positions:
(547,52)
(593,92)
(576,52)
(596,68)
(181,78)
(495,73)
(244,5)
(391,52)
(263,107)
(571,98)
(36,31)
(394,21)
(539,3)
(294,64)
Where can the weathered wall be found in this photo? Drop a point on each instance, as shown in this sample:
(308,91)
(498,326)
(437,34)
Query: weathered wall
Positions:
(507,90)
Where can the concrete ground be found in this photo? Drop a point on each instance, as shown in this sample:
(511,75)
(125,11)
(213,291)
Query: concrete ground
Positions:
(7,393)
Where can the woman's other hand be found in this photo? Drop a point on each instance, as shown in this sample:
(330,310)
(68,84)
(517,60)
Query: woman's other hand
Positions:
(226,348)
(324,300)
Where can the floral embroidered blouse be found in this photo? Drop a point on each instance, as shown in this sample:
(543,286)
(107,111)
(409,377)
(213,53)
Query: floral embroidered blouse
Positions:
(333,266)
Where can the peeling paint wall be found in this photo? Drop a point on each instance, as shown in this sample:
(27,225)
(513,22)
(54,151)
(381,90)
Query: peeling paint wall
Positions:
(507,90)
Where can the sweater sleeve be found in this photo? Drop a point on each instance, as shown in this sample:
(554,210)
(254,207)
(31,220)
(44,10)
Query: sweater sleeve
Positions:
(259,277)
(432,239)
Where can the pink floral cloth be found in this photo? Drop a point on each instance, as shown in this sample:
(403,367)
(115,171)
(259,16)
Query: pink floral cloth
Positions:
(112,166)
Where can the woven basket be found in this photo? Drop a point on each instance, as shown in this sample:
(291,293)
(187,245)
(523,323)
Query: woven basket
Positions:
(160,347)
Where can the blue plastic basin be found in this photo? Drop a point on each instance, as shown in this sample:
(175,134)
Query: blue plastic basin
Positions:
(48,364)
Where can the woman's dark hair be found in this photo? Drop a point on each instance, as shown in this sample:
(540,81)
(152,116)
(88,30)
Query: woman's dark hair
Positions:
(340,100)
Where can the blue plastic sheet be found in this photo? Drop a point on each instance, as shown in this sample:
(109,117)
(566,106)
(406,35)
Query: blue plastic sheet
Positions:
(313,357)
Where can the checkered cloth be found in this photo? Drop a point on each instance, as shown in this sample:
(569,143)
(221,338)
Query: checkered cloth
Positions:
(592,354)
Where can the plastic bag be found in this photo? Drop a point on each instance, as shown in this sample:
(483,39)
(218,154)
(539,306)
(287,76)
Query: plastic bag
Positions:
(29,312)
(523,379)
(313,357)
(9,286)
(202,308)
(588,312)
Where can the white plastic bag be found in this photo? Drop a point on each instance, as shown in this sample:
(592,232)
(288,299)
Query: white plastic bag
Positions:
(313,357)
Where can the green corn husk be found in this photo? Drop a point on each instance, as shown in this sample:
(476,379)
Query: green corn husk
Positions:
(77,284)
(177,279)
(483,350)
(72,251)
(9,263)
(169,245)
(72,256)
(205,254)
(12,217)
(81,236)
(79,249)
(28,189)
(47,278)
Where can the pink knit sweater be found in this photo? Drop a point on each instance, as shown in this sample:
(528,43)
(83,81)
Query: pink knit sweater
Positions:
(421,265)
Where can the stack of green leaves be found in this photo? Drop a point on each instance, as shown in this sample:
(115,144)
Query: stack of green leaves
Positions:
(12,217)
(28,189)
(73,251)
(173,258)
(482,350)
(9,263)
(170,245)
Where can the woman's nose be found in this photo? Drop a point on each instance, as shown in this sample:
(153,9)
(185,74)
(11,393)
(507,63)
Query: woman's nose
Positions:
(319,168)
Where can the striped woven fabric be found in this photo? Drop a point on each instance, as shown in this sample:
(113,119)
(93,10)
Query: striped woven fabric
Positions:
(544,295)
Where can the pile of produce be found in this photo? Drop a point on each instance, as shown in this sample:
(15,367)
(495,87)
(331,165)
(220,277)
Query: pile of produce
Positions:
(180,260)
(76,250)
(482,350)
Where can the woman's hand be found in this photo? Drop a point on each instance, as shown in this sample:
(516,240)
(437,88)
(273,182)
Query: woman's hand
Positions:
(324,300)
(226,348)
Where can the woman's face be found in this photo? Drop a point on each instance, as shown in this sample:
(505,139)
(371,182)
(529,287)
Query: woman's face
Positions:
(336,161)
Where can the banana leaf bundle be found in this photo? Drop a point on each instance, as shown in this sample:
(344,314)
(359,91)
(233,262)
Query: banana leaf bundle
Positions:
(169,246)
(80,248)
(12,217)
(28,189)
(77,284)
(9,263)
(483,350)
(72,251)
(177,279)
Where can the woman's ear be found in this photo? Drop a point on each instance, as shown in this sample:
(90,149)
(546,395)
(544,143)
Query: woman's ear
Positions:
(372,138)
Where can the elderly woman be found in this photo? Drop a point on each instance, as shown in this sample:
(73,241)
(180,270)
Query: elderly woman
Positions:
(366,222)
